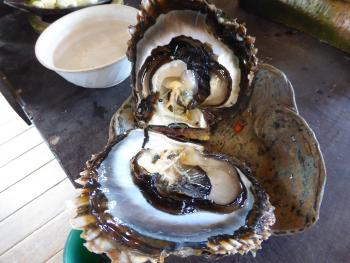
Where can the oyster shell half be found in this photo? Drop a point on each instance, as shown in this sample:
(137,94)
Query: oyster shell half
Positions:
(147,196)
(189,64)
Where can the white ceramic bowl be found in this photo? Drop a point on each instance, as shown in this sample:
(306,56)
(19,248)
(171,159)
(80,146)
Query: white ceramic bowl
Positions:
(74,27)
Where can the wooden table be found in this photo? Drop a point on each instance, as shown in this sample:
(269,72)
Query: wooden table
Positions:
(33,194)
(74,121)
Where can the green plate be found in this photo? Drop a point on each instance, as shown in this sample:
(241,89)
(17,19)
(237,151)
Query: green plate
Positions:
(75,252)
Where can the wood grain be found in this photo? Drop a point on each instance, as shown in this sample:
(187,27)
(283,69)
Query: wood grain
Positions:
(29,188)
(6,112)
(57,258)
(11,129)
(43,244)
(19,145)
(32,216)
(24,165)
(33,193)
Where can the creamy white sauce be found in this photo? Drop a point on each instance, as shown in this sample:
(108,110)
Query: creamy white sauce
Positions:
(128,206)
(92,45)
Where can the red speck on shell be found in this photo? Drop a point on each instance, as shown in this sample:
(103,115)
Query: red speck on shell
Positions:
(238,126)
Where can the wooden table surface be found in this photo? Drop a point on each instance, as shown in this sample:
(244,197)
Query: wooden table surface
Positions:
(75,121)
(33,194)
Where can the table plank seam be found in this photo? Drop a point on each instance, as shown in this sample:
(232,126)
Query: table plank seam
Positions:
(7,121)
(35,230)
(53,255)
(29,127)
(33,199)
(35,214)
(21,154)
(27,175)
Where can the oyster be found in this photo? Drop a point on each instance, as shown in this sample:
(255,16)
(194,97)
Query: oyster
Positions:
(189,65)
(147,196)
(153,193)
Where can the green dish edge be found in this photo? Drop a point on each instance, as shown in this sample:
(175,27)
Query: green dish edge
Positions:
(75,251)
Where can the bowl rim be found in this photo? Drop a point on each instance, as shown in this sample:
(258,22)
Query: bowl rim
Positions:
(26,7)
(68,16)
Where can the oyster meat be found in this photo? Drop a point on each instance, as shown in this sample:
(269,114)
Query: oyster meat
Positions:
(189,66)
(179,178)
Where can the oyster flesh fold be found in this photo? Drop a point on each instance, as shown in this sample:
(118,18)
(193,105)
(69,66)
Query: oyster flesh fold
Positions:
(190,66)
(147,196)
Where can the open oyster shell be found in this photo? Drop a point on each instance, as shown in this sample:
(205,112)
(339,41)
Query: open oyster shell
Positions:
(189,66)
(275,142)
(119,216)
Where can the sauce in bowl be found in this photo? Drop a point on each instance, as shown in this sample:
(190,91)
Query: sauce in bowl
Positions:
(102,44)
